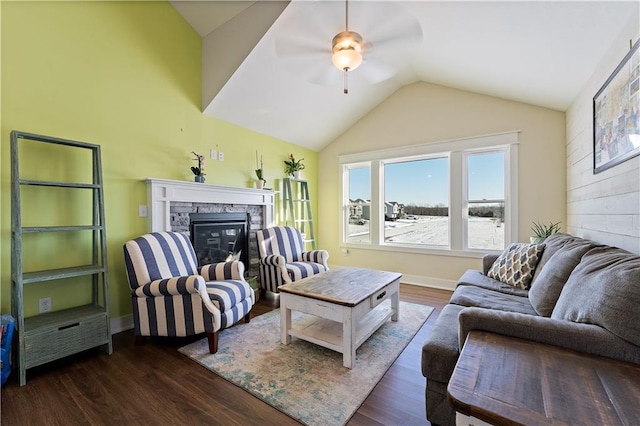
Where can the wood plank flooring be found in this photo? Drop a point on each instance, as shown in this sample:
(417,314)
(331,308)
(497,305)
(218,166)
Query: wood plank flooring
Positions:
(154,384)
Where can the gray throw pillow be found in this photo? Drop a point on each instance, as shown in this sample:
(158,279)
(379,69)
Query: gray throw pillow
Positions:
(604,289)
(546,288)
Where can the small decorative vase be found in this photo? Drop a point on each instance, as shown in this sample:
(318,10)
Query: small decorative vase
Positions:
(199,178)
(297,174)
(259,183)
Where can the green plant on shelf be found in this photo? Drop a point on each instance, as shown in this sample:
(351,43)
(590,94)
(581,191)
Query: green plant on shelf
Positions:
(292,165)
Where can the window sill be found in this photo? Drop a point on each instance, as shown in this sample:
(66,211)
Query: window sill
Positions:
(474,254)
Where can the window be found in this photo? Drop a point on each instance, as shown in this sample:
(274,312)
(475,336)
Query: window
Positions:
(358,212)
(416,201)
(456,197)
(485,200)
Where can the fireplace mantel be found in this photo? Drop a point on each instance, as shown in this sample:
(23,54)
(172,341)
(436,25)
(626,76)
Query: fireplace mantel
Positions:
(162,192)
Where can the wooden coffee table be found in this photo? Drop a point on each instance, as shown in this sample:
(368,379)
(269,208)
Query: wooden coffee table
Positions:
(345,306)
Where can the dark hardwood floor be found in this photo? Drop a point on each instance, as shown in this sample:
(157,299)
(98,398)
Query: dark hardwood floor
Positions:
(154,384)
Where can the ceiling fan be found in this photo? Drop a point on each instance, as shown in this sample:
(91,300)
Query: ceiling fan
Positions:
(316,41)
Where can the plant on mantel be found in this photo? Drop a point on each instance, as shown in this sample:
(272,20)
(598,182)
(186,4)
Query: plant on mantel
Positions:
(259,167)
(198,170)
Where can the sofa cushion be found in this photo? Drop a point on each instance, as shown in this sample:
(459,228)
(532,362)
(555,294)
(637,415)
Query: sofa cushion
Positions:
(546,288)
(476,278)
(604,289)
(478,297)
(516,264)
(552,244)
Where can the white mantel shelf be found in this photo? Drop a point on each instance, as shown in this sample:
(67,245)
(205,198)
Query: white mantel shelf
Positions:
(162,192)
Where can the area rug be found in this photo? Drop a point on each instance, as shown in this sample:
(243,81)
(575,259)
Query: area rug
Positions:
(303,380)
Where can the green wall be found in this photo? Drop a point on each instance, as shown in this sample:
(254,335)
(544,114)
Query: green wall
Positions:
(126,76)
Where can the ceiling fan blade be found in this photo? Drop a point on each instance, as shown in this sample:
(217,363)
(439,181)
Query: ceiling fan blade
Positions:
(308,26)
(375,71)
(291,44)
(387,26)
(312,70)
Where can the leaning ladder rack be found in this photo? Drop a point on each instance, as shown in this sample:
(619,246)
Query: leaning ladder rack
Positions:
(297,209)
(49,336)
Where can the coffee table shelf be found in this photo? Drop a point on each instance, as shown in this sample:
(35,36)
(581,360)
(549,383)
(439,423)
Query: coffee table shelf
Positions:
(328,333)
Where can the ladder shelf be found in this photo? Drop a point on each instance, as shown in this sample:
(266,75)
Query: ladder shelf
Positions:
(297,208)
(49,336)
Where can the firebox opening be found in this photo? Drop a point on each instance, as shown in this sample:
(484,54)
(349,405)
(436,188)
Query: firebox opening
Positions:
(219,237)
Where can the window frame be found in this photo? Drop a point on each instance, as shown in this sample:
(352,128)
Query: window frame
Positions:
(457,151)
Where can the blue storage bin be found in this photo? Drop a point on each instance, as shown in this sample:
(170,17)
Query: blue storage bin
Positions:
(5,347)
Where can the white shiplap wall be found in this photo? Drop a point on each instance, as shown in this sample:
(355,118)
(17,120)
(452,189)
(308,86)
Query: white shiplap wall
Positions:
(603,207)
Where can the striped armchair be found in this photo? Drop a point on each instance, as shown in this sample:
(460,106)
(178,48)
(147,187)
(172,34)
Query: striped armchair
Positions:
(282,259)
(172,298)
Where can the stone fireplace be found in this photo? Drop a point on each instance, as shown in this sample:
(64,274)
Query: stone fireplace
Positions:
(171,202)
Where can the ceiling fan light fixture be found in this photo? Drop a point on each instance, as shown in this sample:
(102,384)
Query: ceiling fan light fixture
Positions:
(347,59)
(347,50)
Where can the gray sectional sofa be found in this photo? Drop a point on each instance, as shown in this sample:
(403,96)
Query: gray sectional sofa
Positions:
(583,296)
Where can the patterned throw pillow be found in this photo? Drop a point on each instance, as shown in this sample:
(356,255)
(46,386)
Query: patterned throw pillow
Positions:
(516,264)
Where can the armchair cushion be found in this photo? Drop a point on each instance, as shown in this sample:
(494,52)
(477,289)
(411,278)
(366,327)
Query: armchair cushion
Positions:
(234,299)
(300,270)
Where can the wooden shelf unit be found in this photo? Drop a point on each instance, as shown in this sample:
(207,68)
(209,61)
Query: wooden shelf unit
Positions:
(53,335)
(297,208)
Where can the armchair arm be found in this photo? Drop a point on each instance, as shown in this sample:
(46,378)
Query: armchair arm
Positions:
(233,270)
(171,286)
(273,260)
(587,338)
(278,262)
(316,256)
(487,261)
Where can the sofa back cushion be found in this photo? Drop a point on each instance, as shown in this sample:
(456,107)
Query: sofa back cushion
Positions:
(516,264)
(547,285)
(604,289)
(552,244)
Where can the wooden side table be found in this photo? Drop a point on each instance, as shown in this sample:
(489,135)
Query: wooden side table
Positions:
(504,380)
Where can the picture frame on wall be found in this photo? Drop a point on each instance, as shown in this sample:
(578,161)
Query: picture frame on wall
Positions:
(616,114)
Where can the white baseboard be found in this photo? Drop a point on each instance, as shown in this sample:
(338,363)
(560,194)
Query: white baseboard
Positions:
(126,322)
(422,281)
(121,324)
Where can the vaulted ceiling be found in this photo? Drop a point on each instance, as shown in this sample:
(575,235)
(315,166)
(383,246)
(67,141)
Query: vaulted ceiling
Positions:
(269,69)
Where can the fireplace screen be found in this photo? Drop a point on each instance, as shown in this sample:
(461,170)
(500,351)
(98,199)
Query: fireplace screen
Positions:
(219,237)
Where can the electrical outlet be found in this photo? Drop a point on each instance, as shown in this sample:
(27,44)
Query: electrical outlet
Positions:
(220,156)
(142,210)
(44,305)
(214,154)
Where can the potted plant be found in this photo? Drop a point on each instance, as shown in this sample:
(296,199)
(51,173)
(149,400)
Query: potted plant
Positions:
(199,170)
(542,231)
(261,181)
(292,167)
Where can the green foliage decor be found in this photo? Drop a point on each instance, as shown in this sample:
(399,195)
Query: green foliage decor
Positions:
(199,170)
(542,231)
(292,165)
